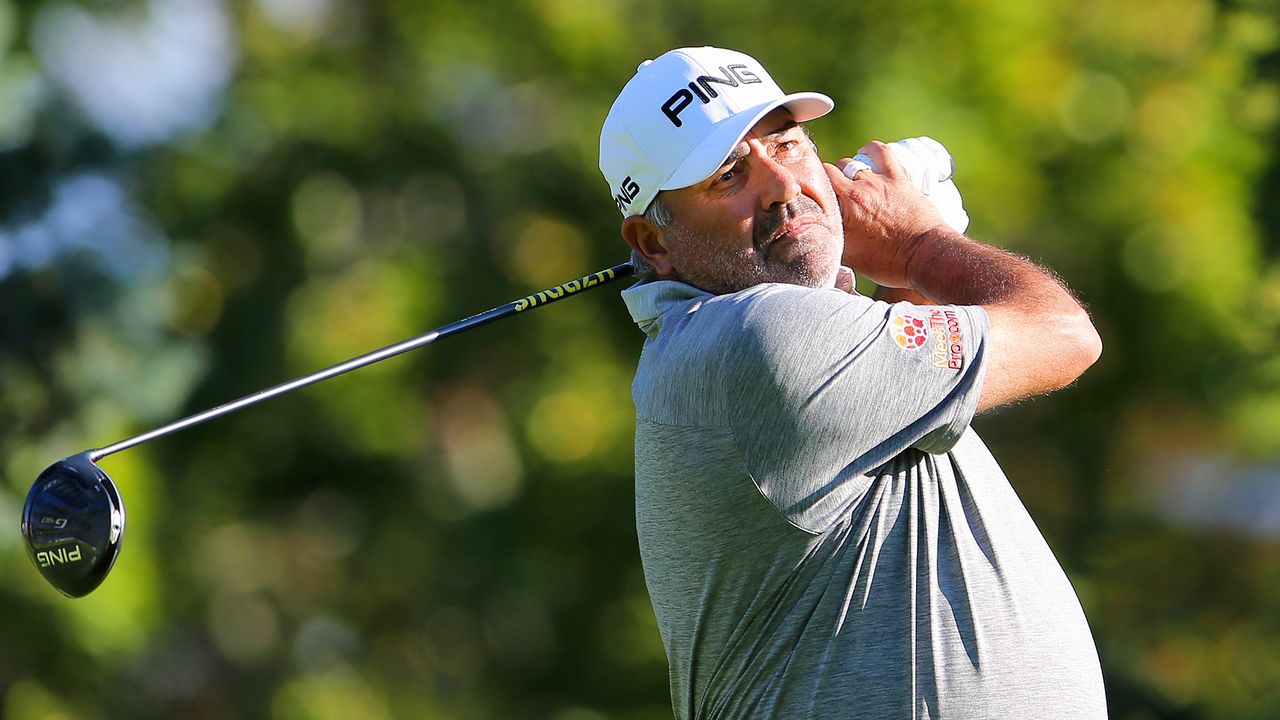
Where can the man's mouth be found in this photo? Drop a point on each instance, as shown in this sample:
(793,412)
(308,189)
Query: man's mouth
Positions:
(790,229)
(789,222)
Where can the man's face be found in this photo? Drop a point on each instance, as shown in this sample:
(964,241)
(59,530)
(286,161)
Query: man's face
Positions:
(768,214)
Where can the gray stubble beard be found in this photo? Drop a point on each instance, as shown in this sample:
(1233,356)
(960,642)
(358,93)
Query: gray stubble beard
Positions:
(721,273)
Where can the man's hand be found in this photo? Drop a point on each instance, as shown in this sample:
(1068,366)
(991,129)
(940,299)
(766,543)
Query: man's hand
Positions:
(884,217)
(845,280)
(1041,338)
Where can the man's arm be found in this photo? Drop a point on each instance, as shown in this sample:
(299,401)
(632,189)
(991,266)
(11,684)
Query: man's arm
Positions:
(894,295)
(1041,338)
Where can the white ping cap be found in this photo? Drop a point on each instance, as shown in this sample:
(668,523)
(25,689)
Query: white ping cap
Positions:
(678,119)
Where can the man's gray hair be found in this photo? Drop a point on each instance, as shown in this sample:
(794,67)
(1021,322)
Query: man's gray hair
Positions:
(660,215)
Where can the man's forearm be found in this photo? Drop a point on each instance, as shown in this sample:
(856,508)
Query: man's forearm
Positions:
(1041,337)
(893,295)
(956,270)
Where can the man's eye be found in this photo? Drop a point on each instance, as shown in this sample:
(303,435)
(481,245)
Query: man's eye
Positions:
(727,175)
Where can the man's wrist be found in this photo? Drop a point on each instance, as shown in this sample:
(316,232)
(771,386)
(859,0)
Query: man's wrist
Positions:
(926,250)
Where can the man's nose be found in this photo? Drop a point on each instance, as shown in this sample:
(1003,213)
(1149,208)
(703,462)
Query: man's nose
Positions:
(778,184)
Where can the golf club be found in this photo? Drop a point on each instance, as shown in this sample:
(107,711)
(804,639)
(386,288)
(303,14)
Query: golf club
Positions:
(73,519)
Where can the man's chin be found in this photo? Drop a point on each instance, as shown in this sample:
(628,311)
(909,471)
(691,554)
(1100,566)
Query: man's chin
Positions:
(814,258)
(813,269)
(827,279)
(806,273)
(816,280)
(816,268)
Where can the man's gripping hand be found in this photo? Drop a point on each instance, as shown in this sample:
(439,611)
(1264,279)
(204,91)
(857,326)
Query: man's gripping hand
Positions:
(885,217)
(1040,337)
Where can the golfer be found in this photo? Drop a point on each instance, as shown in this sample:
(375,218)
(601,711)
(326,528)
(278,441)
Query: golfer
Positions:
(823,535)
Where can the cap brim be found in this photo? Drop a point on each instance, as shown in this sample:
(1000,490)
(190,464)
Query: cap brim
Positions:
(711,153)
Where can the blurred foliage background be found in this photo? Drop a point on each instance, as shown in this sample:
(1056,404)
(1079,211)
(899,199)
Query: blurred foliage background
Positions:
(201,198)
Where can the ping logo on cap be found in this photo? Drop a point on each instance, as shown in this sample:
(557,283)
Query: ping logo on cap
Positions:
(701,86)
(627,191)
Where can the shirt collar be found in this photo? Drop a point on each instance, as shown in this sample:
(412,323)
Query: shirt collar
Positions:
(649,301)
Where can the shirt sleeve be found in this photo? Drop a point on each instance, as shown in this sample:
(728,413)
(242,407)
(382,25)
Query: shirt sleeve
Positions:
(827,386)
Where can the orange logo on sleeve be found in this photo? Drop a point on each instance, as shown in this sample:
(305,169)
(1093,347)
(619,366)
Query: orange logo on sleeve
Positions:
(948,344)
(909,331)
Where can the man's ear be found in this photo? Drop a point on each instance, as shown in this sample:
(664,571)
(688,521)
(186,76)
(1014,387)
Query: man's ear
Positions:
(649,240)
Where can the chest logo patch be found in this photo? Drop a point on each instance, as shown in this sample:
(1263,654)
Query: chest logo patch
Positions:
(909,331)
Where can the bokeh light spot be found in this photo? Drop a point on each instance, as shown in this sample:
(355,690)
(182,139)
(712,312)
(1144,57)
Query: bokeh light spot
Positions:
(1174,119)
(194,300)
(27,699)
(539,251)
(304,17)
(243,626)
(323,645)
(1094,107)
(327,214)
(341,694)
(240,558)
(484,471)
(21,91)
(564,427)
(144,76)
(433,208)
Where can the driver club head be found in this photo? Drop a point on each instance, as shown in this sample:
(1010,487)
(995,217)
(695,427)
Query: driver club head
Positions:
(73,523)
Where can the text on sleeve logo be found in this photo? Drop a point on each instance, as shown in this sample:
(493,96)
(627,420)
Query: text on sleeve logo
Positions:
(948,341)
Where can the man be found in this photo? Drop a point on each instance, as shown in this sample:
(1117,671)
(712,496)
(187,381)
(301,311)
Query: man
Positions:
(822,535)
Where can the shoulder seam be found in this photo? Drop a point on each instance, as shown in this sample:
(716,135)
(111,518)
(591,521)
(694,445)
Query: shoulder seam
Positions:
(688,425)
(737,445)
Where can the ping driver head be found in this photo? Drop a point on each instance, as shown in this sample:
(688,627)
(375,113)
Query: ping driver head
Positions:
(73,523)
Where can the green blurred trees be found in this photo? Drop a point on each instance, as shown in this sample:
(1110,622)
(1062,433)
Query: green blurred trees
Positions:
(450,534)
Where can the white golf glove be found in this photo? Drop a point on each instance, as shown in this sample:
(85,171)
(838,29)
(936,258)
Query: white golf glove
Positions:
(929,167)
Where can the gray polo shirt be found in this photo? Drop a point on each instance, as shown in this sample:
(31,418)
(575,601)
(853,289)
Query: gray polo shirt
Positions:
(822,535)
